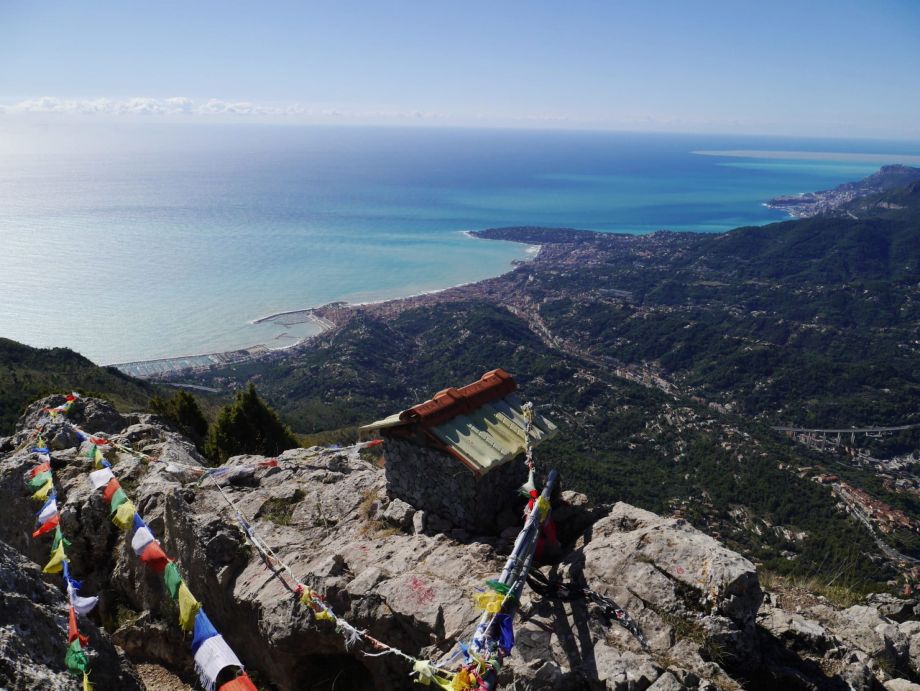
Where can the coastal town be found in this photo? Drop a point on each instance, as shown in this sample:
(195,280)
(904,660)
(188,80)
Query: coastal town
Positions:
(835,201)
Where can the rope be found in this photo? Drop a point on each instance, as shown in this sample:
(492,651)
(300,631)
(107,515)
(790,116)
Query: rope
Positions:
(353,633)
(570,592)
(314,600)
(479,673)
(527,408)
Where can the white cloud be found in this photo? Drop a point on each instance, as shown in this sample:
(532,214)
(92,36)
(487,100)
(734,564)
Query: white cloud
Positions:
(103,106)
(182,108)
(142,105)
(145,106)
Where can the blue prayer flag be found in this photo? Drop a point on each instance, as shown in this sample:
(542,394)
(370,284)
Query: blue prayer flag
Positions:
(67,579)
(51,497)
(138,522)
(505,632)
(204,630)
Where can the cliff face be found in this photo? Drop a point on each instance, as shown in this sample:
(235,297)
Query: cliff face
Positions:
(407,578)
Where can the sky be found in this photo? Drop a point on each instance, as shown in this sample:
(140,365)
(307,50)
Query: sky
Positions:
(824,67)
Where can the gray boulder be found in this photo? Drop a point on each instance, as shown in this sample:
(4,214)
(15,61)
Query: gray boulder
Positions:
(33,635)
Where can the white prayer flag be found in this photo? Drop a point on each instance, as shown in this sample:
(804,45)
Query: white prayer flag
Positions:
(212,657)
(142,538)
(81,605)
(48,512)
(100,478)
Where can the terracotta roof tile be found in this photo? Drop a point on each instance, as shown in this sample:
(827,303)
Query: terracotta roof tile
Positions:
(449,403)
(482,424)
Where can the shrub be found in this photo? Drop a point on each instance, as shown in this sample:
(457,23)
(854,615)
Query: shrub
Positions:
(183,411)
(248,425)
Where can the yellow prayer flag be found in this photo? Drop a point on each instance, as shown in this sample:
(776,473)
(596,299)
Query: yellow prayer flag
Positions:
(86,685)
(188,608)
(543,507)
(490,601)
(464,679)
(98,458)
(306,597)
(43,491)
(57,558)
(124,515)
(323,615)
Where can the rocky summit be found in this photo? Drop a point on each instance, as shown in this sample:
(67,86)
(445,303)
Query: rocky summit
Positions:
(702,619)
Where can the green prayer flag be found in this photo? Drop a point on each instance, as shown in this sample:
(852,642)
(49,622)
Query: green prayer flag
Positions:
(173,579)
(118,499)
(39,480)
(58,537)
(91,454)
(76,659)
(499,587)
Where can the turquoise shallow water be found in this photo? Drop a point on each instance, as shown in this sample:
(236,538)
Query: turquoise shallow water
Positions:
(173,243)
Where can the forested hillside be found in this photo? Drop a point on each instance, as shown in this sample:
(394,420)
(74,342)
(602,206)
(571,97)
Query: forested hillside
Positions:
(665,358)
(28,373)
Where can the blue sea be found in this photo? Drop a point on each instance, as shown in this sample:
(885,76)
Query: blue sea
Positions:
(148,241)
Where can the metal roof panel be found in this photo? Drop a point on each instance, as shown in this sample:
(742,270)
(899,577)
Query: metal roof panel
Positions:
(485,436)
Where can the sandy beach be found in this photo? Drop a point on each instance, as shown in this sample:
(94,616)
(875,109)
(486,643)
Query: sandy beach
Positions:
(325,317)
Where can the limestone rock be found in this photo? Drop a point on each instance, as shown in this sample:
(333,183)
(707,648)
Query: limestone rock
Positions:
(795,631)
(33,634)
(895,608)
(673,564)
(667,682)
(697,602)
(901,685)
(400,514)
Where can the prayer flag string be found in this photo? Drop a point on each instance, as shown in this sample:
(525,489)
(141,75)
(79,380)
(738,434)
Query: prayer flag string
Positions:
(492,639)
(41,483)
(211,652)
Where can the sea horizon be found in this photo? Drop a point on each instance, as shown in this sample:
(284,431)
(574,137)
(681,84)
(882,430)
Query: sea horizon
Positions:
(158,242)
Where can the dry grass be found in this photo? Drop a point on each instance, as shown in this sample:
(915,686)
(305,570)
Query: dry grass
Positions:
(280,511)
(368,499)
(794,592)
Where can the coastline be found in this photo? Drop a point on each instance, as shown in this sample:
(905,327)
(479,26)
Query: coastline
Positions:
(323,316)
(532,251)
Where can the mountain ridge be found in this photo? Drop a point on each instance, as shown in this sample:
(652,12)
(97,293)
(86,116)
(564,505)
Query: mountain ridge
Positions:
(407,578)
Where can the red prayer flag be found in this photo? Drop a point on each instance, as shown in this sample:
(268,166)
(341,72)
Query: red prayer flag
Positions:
(48,526)
(72,631)
(70,397)
(270,463)
(241,683)
(41,468)
(374,442)
(98,441)
(154,556)
(110,490)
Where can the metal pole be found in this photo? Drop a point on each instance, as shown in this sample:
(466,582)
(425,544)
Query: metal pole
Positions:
(514,575)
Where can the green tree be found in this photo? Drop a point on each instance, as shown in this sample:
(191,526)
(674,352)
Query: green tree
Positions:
(183,411)
(248,425)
